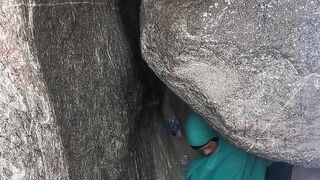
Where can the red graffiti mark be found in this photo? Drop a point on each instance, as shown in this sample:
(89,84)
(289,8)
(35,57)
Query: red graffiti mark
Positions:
(5,22)
(4,27)
(25,81)
(10,60)
(7,51)
(6,54)
(21,75)
(18,69)
(7,48)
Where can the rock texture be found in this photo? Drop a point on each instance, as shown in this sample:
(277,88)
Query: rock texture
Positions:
(30,143)
(251,68)
(69,93)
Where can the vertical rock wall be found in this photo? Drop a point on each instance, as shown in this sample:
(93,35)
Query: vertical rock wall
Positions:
(69,92)
(88,68)
(30,144)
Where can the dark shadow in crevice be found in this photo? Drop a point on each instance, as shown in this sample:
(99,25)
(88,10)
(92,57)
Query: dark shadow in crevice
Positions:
(141,157)
(130,18)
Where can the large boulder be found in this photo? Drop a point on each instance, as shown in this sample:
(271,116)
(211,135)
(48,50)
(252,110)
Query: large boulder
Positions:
(69,90)
(251,68)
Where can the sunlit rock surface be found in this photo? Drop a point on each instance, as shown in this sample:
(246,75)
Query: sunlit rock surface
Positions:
(251,68)
(69,93)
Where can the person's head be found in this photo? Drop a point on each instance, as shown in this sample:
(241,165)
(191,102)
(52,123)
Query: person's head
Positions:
(200,135)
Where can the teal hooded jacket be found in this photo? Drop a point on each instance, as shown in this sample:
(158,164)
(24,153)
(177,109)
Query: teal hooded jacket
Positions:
(226,163)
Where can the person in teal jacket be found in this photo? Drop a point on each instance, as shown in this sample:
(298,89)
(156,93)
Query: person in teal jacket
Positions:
(219,160)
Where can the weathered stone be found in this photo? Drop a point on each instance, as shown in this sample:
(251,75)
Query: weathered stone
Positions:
(251,68)
(69,92)
(30,143)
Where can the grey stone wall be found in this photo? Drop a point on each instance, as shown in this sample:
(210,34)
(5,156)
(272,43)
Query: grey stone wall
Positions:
(69,91)
(251,68)
(30,143)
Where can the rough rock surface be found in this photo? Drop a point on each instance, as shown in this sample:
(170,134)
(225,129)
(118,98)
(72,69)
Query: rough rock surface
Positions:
(30,143)
(68,93)
(251,68)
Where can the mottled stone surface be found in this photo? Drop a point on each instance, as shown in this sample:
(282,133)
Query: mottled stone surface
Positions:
(30,143)
(69,92)
(251,68)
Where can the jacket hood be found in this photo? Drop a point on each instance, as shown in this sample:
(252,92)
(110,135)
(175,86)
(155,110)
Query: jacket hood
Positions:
(197,131)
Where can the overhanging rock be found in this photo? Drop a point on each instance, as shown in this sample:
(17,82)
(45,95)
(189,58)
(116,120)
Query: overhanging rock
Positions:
(251,68)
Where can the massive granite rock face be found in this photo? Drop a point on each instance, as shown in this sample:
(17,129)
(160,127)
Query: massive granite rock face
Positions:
(69,90)
(251,68)
(30,143)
